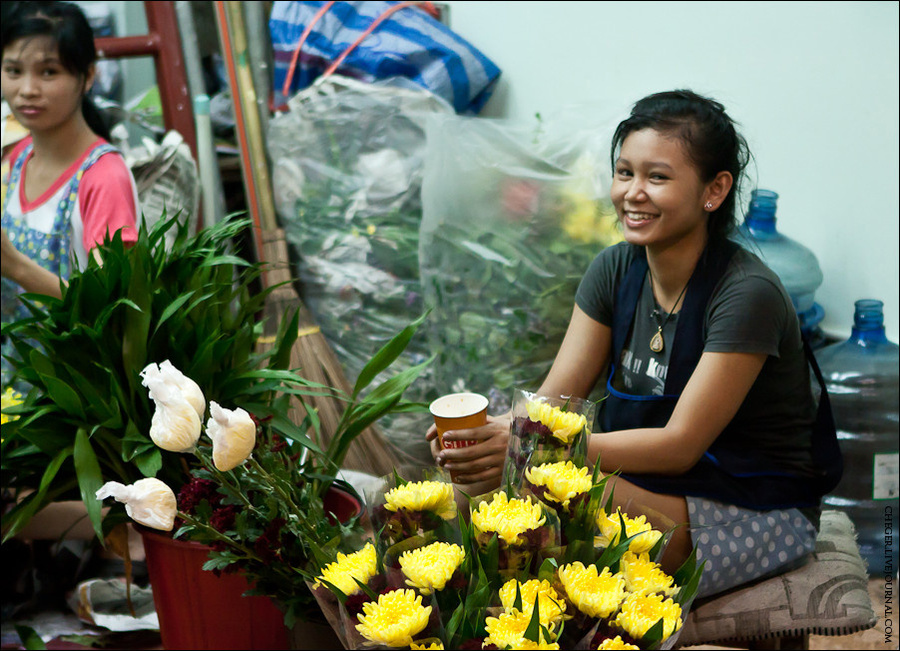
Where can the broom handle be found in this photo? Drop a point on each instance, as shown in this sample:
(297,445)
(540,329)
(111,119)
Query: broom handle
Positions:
(251,118)
(253,160)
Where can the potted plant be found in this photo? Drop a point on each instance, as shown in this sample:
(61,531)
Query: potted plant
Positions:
(87,417)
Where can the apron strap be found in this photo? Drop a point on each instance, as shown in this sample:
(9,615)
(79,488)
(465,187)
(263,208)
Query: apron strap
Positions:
(826,451)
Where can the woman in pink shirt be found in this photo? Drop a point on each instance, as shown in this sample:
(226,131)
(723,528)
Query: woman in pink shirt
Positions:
(68,188)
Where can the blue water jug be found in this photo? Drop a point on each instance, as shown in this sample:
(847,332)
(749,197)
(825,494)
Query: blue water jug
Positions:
(862,379)
(796,266)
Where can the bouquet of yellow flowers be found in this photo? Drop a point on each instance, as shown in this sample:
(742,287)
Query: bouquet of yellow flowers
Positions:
(508,583)
(546,429)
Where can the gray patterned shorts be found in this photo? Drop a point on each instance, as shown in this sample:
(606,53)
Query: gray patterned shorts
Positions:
(741,545)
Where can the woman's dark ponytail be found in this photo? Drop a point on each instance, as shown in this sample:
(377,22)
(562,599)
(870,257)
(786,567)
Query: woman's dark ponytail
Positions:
(95,118)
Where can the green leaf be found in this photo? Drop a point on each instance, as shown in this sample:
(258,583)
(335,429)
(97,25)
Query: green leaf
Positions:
(18,517)
(654,634)
(64,396)
(386,355)
(90,479)
(533,631)
(173,308)
(29,637)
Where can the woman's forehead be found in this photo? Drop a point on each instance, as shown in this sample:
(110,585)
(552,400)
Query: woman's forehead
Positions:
(32,48)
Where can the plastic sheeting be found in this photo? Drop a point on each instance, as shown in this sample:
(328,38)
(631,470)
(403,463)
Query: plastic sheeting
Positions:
(489,225)
(347,166)
(512,219)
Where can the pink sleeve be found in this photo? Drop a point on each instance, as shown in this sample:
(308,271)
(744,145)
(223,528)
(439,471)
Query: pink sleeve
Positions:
(106,198)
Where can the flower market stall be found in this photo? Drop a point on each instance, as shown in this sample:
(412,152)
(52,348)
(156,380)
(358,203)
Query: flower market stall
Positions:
(544,562)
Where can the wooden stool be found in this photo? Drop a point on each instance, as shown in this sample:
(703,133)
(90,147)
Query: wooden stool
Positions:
(826,596)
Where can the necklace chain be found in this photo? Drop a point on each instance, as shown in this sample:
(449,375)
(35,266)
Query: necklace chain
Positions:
(657,344)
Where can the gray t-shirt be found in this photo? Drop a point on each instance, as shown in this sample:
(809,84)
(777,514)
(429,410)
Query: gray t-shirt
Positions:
(749,311)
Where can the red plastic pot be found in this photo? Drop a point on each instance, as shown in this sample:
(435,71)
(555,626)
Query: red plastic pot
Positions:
(199,610)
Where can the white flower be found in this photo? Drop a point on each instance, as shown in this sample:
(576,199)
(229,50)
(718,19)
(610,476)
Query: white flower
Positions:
(147,501)
(233,435)
(172,375)
(176,424)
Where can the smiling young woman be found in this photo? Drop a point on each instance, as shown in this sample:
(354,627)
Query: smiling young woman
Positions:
(709,415)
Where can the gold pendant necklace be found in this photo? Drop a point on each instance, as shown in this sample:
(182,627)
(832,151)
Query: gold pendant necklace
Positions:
(657,344)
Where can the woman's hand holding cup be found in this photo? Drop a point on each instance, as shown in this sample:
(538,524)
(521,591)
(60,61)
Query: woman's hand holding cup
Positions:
(466,441)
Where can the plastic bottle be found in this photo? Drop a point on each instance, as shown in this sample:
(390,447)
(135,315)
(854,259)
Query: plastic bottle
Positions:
(796,266)
(862,379)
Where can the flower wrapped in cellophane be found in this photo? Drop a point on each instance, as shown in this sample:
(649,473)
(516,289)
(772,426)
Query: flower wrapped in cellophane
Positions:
(610,526)
(510,533)
(506,584)
(414,510)
(396,619)
(345,584)
(625,599)
(439,571)
(545,429)
(575,495)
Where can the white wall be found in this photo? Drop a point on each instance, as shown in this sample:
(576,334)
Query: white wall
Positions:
(813,84)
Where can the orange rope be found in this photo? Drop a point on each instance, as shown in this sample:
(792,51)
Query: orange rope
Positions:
(306,32)
(428,7)
(371,28)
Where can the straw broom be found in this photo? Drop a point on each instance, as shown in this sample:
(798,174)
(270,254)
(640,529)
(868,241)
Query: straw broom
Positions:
(311,353)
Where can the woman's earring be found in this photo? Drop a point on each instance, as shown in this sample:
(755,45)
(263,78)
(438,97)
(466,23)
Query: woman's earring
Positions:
(709,205)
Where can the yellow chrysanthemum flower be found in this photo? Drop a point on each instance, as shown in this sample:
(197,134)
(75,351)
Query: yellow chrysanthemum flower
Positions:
(433,496)
(595,594)
(10,398)
(563,480)
(564,424)
(361,565)
(551,604)
(508,632)
(611,528)
(434,646)
(616,644)
(508,517)
(639,612)
(429,568)
(394,619)
(644,576)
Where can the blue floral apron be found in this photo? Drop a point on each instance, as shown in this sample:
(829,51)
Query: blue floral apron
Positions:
(52,250)
(730,471)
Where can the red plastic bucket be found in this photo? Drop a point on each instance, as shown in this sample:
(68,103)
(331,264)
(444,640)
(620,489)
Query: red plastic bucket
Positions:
(199,610)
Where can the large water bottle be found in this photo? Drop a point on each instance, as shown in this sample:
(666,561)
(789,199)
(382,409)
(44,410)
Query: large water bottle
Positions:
(861,375)
(796,266)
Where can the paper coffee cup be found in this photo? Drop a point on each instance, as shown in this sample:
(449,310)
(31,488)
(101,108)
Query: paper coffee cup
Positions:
(458,411)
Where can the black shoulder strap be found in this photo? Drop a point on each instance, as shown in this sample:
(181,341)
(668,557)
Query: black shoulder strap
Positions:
(826,451)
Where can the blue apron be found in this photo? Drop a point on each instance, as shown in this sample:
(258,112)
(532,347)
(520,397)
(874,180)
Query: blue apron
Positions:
(730,470)
(52,250)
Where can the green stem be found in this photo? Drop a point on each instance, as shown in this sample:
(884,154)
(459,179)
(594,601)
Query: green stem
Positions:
(219,535)
(276,486)
(225,480)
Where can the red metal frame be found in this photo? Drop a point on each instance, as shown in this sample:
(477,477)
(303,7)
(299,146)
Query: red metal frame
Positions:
(163,43)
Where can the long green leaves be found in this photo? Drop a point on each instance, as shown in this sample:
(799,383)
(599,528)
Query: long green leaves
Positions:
(87,419)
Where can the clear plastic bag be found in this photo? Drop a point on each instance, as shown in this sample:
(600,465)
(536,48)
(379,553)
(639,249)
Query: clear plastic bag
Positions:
(512,219)
(347,171)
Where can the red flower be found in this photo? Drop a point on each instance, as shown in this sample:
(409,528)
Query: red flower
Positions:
(268,545)
(222,518)
(195,491)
